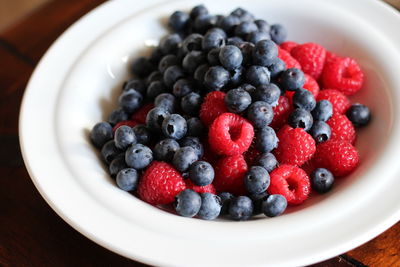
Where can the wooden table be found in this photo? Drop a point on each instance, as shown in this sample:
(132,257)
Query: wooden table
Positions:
(31,234)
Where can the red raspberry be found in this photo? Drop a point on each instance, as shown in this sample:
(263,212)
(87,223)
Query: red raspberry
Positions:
(229,175)
(251,155)
(290,181)
(340,102)
(281,112)
(330,57)
(343,74)
(342,128)
(212,107)
(230,134)
(311,57)
(141,113)
(160,183)
(295,146)
(310,84)
(340,157)
(200,189)
(288,59)
(129,123)
(288,45)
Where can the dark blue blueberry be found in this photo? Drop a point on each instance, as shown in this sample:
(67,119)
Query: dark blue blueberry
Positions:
(217,30)
(178,21)
(191,104)
(322,111)
(155,88)
(213,40)
(241,208)
(201,72)
(138,156)
(154,76)
(174,126)
(183,158)
(247,52)
(192,42)
(265,52)
(197,11)
(155,118)
(195,127)
(266,139)
(192,60)
(260,113)
(183,87)
(170,43)
(172,74)
(156,55)
(213,56)
(229,23)
(187,203)
(127,179)
(274,205)
(201,173)
(278,33)
(301,118)
(101,133)
(249,89)
(257,36)
(194,143)
(237,100)
(117,164)
(165,149)
(256,180)
(109,151)
(262,25)
(204,22)
(304,99)
(257,202)
(135,84)
(292,79)
(359,115)
(166,101)
(216,78)
(124,137)
(236,77)
(269,93)
(142,133)
(267,161)
(320,131)
(244,28)
(242,14)
(167,61)
(277,67)
(230,57)
(322,180)
(210,206)
(141,67)
(235,40)
(130,101)
(226,198)
(257,75)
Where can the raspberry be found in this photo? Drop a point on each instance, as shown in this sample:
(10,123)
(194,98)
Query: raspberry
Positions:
(311,57)
(342,128)
(200,189)
(212,107)
(343,74)
(288,59)
(281,112)
(229,175)
(310,84)
(230,134)
(330,57)
(140,115)
(290,181)
(251,154)
(339,157)
(338,100)
(160,183)
(130,123)
(288,45)
(295,147)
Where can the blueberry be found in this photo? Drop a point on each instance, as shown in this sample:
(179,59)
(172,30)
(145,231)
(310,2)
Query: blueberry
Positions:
(267,161)
(213,40)
(138,156)
(300,118)
(304,99)
(213,56)
(117,164)
(191,104)
(155,118)
(187,203)
(155,88)
(210,206)
(142,134)
(192,60)
(109,151)
(274,205)
(201,173)
(247,52)
(183,87)
(235,40)
(141,67)
(256,180)
(262,25)
(236,77)
(322,111)
(322,180)
(170,43)
(204,22)
(257,202)
(195,127)
(266,139)
(278,33)
(124,137)
(194,143)
(172,74)
(320,131)
(269,93)
(241,208)
(257,75)
(154,76)
(277,67)
(156,55)
(226,198)
(292,79)
(257,36)
(264,53)
(183,158)
(166,101)
(130,100)
(135,84)
(197,11)
(216,78)
(249,89)
(127,179)
(174,126)
(230,57)
(260,113)
(217,30)
(359,115)
(244,28)
(237,100)
(201,72)
(242,14)
(178,21)
(229,23)
(192,42)
(165,149)
(101,133)
(167,61)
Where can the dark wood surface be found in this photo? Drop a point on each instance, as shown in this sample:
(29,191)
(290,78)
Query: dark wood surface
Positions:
(31,234)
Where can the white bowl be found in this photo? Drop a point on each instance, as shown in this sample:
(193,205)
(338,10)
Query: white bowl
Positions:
(76,85)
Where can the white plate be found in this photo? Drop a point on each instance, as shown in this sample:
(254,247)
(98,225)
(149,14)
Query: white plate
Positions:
(77,82)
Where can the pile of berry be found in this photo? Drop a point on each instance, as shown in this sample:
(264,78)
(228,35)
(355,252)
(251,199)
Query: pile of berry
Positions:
(226,118)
